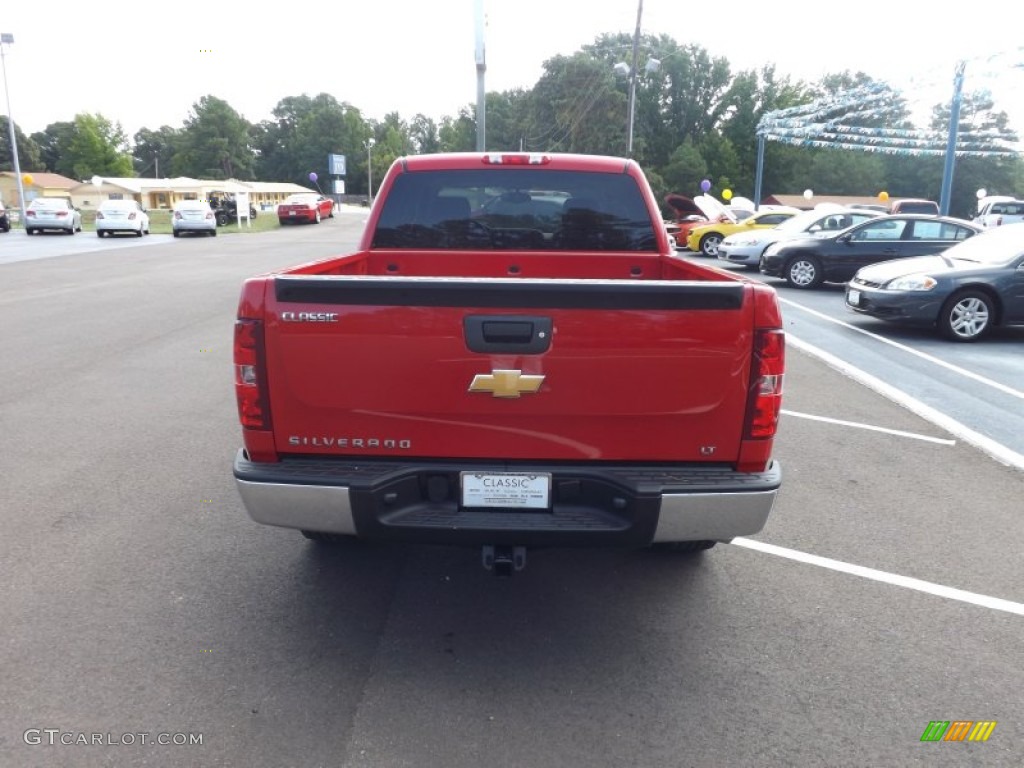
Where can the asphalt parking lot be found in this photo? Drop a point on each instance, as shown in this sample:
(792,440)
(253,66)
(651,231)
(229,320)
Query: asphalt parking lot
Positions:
(885,592)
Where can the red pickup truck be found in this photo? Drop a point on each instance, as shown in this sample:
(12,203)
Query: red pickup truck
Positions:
(513,358)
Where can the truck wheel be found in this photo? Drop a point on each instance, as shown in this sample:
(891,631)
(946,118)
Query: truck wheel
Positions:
(709,244)
(329,538)
(682,546)
(967,316)
(804,272)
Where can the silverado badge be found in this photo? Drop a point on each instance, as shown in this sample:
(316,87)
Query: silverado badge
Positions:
(506,383)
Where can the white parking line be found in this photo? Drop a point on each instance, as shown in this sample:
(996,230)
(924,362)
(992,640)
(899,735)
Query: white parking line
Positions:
(857,425)
(950,593)
(911,351)
(996,450)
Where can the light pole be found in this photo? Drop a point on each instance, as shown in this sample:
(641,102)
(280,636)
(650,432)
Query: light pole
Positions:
(954,123)
(632,76)
(369,169)
(6,38)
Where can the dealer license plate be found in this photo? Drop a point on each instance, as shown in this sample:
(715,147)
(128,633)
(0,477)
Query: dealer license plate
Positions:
(509,490)
(853,298)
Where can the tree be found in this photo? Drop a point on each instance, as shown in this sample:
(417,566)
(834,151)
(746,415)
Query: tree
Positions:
(508,117)
(685,169)
(151,148)
(575,107)
(214,143)
(29,152)
(53,142)
(980,125)
(424,134)
(458,134)
(89,146)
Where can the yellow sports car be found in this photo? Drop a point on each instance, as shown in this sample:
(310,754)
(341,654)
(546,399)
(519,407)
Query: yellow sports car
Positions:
(706,238)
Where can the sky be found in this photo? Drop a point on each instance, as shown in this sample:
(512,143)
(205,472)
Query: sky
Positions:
(146,64)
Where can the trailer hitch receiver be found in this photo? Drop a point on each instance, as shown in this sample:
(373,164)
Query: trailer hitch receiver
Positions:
(504,561)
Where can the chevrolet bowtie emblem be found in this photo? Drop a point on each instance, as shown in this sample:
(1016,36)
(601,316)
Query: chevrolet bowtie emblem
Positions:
(506,383)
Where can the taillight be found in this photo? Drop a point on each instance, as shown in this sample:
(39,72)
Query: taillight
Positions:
(765,402)
(98,215)
(250,382)
(209,215)
(177,214)
(131,216)
(30,214)
(60,213)
(999,221)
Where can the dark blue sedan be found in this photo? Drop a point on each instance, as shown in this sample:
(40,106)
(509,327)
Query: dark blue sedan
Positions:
(964,291)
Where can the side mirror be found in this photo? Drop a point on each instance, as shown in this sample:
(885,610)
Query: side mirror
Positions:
(844,238)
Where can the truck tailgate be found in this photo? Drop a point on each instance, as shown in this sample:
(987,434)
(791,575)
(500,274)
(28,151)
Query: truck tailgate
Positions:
(569,370)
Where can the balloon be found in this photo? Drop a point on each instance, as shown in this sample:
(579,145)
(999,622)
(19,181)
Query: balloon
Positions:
(313,177)
(883,196)
(27,178)
(808,194)
(727,194)
(705,185)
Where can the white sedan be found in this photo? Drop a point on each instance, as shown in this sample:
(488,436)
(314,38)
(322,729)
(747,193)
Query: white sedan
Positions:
(121,216)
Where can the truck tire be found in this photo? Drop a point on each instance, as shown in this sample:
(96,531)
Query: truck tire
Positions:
(967,316)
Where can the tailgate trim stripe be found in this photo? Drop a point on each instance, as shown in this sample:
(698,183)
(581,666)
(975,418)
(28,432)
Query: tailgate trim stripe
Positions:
(511,294)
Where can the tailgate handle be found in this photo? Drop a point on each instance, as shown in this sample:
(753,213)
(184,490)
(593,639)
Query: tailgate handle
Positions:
(515,334)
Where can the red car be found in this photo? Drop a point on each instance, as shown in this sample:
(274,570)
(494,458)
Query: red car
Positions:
(309,207)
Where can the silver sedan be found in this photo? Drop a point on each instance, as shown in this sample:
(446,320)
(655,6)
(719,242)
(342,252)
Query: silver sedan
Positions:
(52,213)
(193,216)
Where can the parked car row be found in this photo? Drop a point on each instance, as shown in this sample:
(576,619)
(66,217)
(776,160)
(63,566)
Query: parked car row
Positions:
(128,216)
(746,248)
(912,269)
(835,257)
